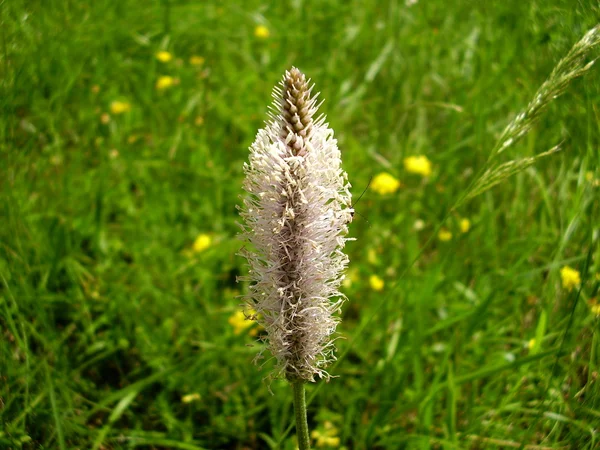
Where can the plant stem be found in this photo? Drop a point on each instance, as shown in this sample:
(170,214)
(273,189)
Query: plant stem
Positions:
(300,409)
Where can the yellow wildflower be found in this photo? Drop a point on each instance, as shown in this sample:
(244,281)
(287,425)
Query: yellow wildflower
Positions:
(322,441)
(327,437)
(372,256)
(376,283)
(570,277)
(465,225)
(595,309)
(351,277)
(196,60)
(189,398)
(531,343)
(56,160)
(118,107)
(239,322)
(164,56)
(105,118)
(589,176)
(164,82)
(261,32)
(444,235)
(418,164)
(201,243)
(384,183)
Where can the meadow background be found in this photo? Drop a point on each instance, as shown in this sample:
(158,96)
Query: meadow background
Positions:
(123,130)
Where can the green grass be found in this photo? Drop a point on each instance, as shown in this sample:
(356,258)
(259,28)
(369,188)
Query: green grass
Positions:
(108,320)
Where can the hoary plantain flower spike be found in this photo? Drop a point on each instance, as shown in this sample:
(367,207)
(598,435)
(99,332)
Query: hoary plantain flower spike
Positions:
(296,218)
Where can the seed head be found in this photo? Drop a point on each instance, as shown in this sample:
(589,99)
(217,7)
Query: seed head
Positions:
(296,216)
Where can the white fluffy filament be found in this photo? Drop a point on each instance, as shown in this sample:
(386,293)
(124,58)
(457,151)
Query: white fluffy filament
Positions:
(296,217)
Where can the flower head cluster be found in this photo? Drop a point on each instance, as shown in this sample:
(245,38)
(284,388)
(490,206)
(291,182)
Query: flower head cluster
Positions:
(295,220)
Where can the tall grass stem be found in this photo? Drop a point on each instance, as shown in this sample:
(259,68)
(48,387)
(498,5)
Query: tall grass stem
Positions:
(300,410)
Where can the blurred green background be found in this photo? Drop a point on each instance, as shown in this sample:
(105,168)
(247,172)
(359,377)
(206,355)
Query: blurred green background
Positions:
(123,132)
